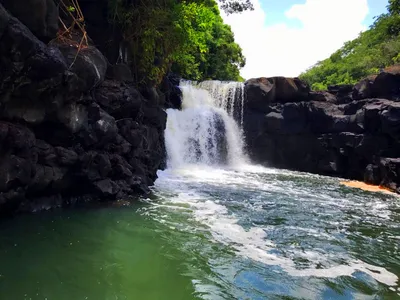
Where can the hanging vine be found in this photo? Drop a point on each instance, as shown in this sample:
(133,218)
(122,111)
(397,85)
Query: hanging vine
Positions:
(77,22)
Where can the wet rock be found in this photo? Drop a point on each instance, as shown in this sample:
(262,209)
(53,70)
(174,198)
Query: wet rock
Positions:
(343,93)
(95,166)
(131,131)
(261,92)
(66,157)
(387,84)
(155,117)
(107,188)
(46,153)
(14,172)
(170,91)
(326,136)
(121,168)
(390,118)
(44,177)
(152,95)
(66,135)
(120,73)
(100,129)
(323,96)
(372,175)
(119,100)
(40,204)
(87,63)
(363,89)
(30,69)
(73,116)
(390,173)
(40,16)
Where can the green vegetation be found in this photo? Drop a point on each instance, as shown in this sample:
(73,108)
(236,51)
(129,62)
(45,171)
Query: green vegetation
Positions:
(186,37)
(374,49)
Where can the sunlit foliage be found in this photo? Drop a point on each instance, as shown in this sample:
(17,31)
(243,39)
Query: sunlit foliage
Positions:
(373,50)
(186,37)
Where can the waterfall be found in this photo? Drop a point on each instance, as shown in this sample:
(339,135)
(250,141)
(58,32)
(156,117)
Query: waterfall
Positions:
(208,129)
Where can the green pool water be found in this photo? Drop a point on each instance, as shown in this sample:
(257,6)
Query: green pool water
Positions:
(252,233)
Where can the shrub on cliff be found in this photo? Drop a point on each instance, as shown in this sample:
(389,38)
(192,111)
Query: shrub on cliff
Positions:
(187,37)
(374,49)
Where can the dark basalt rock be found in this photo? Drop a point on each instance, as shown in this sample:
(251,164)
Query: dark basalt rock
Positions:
(387,84)
(40,16)
(262,92)
(343,93)
(170,91)
(87,63)
(67,135)
(323,97)
(390,173)
(120,100)
(330,132)
(119,72)
(363,89)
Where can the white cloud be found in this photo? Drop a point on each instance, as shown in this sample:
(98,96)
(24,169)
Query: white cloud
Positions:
(281,50)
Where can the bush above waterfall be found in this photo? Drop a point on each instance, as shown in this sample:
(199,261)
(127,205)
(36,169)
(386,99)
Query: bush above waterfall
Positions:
(374,49)
(187,37)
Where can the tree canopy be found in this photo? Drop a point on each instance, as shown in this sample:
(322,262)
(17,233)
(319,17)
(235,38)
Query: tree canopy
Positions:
(186,37)
(372,50)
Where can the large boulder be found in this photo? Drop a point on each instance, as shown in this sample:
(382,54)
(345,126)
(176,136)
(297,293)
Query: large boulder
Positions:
(120,100)
(390,173)
(329,133)
(323,96)
(363,89)
(35,67)
(261,92)
(88,63)
(40,16)
(343,93)
(66,135)
(32,80)
(170,91)
(387,84)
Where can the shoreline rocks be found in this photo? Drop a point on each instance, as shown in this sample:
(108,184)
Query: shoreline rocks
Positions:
(342,132)
(68,134)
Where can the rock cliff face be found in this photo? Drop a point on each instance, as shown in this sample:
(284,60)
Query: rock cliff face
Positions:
(351,132)
(68,132)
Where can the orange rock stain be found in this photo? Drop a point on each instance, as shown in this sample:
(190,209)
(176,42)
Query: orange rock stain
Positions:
(367,187)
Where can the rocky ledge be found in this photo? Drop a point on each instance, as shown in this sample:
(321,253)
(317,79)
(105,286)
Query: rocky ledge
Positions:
(347,131)
(68,134)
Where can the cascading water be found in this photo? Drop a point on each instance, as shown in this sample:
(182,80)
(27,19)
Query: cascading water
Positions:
(205,131)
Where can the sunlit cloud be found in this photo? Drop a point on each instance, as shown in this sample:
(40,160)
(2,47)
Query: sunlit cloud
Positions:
(282,50)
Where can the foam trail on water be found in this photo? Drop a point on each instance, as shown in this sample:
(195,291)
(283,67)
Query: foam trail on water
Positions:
(208,133)
(205,132)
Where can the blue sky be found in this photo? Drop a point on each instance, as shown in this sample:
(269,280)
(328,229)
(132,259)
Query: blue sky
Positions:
(275,11)
(285,37)
(376,7)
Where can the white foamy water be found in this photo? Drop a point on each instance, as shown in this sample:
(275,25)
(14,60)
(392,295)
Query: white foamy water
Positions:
(194,186)
(234,200)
